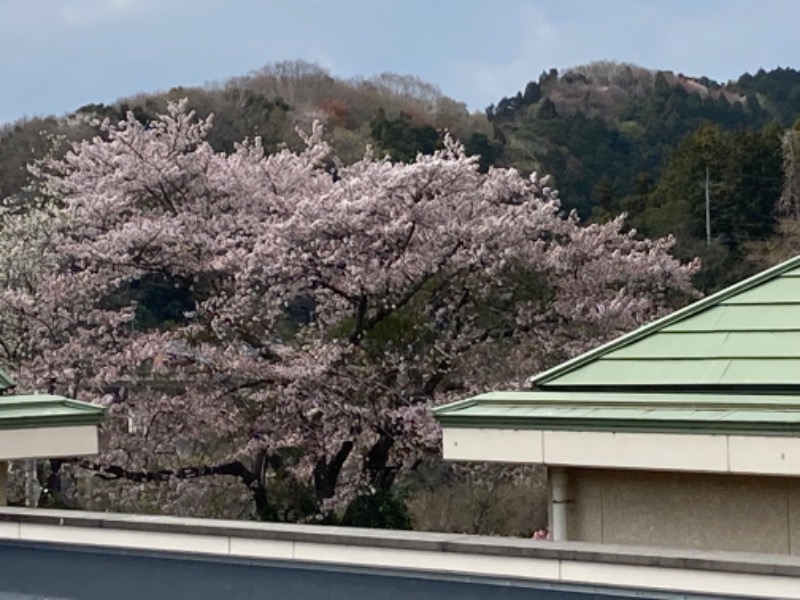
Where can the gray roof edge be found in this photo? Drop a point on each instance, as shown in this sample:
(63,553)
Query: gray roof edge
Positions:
(627,400)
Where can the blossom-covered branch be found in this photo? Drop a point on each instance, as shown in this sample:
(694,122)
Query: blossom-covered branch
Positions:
(313,314)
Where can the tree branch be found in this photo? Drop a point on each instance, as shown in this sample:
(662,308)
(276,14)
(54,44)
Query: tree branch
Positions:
(116,472)
(326,474)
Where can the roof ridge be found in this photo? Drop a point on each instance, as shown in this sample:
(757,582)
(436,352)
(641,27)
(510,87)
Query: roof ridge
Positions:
(690,310)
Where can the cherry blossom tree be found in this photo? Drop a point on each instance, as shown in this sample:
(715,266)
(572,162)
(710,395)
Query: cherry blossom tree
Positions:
(324,308)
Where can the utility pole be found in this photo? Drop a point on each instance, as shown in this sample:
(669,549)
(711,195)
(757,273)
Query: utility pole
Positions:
(708,185)
(708,207)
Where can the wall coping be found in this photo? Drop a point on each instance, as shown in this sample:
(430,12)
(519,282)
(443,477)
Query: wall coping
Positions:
(723,562)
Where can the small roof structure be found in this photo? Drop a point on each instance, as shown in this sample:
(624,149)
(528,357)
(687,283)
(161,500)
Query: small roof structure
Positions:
(727,365)
(45,410)
(45,426)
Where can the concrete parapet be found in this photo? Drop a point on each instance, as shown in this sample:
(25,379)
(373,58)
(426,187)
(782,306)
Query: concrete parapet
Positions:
(698,572)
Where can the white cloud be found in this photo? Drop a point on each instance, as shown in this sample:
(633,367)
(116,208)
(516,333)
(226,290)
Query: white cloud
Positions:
(536,37)
(84,13)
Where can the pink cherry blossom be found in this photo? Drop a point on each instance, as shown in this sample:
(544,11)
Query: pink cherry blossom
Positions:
(425,282)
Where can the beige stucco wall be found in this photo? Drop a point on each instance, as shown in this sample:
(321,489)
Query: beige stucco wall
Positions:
(3,482)
(46,442)
(691,453)
(685,510)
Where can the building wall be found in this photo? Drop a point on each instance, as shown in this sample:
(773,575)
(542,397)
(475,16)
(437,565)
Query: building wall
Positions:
(685,510)
(47,442)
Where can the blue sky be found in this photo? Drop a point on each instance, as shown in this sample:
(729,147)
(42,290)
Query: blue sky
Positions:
(57,55)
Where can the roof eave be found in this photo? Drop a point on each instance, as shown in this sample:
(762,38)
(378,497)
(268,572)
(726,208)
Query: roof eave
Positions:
(50,422)
(754,428)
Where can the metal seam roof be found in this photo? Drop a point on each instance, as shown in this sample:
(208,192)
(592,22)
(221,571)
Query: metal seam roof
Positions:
(722,414)
(752,338)
(728,364)
(44,410)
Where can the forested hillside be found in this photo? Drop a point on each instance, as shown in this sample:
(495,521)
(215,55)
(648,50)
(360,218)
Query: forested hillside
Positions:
(618,138)
(614,138)
(395,112)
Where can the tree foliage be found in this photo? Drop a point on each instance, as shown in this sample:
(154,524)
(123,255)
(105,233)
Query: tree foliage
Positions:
(316,313)
(587,126)
(401,138)
(744,182)
(610,126)
(789,203)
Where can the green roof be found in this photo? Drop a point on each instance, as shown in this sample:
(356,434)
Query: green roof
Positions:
(634,412)
(43,410)
(728,364)
(744,338)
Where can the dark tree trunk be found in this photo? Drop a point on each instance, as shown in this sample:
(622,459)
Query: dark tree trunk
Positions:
(381,474)
(326,474)
(51,494)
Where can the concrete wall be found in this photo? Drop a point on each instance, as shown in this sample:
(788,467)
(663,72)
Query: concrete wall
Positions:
(47,442)
(693,453)
(685,510)
(506,562)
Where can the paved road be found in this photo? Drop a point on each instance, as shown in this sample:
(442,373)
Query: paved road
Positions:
(29,572)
